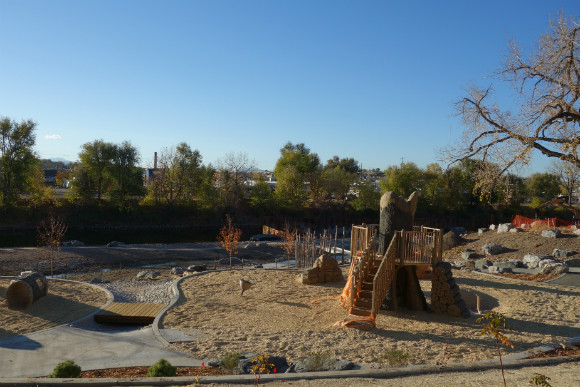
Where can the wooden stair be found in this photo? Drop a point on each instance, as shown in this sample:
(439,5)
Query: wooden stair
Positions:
(363,302)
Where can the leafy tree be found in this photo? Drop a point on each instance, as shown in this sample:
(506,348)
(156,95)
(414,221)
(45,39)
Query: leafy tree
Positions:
(96,160)
(547,82)
(178,177)
(17,158)
(369,198)
(82,187)
(126,175)
(543,185)
(403,179)
(349,165)
(261,196)
(296,166)
(36,187)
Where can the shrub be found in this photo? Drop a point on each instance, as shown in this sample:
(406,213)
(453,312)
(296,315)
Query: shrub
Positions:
(66,369)
(162,368)
(230,362)
(395,357)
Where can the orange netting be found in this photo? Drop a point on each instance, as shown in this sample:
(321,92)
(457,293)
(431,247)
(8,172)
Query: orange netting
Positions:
(523,222)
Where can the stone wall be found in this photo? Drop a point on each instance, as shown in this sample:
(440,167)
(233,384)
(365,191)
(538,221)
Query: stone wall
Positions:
(445,296)
(325,269)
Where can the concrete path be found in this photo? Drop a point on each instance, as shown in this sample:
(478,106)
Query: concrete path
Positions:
(90,345)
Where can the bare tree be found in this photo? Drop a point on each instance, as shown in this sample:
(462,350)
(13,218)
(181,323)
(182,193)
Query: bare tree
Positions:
(234,172)
(51,232)
(569,176)
(547,83)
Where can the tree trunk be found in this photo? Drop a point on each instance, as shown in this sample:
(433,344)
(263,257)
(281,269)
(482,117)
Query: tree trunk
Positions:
(397,214)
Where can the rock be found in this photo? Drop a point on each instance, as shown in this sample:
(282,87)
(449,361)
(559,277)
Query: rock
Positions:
(469,265)
(554,268)
(492,227)
(468,254)
(245,363)
(98,281)
(492,249)
(554,233)
(259,266)
(532,260)
(504,227)
(498,270)
(250,245)
(458,230)
(517,262)
(516,229)
(324,270)
(577,232)
(226,261)
(450,240)
(481,230)
(459,264)
(147,274)
(177,270)
(197,268)
(115,244)
(560,253)
(321,363)
(545,262)
(506,265)
(482,264)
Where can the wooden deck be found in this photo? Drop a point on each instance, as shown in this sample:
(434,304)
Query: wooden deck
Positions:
(129,313)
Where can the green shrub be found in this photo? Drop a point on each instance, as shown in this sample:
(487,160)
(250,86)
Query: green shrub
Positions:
(230,362)
(66,369)
(162,368)
(395,357)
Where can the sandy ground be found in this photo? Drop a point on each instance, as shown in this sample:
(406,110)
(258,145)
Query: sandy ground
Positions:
(277,317)
(561,375)
(65,302)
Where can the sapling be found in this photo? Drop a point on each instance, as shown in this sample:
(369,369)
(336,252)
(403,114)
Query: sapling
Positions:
(261,364)
(494,325)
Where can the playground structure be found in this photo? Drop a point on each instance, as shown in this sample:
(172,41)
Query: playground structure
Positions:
(372,276)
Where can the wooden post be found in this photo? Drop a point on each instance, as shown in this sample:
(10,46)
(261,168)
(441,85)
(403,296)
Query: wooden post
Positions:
(342,245)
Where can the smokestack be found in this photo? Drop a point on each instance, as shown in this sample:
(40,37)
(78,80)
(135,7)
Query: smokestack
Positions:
(155,161)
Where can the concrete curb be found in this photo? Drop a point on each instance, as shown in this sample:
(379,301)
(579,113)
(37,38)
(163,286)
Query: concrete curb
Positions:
(249,379)
(522,280)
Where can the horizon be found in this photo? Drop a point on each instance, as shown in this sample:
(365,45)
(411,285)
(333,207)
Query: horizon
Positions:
(373,81)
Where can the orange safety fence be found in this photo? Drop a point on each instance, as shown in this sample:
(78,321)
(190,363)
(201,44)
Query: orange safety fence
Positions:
(523,222)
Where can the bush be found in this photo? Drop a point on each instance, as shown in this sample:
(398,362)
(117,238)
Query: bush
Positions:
(230,362)
(66,369)
(162,368)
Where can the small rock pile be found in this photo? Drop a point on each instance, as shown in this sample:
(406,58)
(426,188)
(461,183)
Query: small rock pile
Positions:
(445,296)
(325,269)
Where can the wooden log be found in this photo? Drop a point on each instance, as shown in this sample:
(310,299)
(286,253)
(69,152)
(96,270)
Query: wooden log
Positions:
(25,290)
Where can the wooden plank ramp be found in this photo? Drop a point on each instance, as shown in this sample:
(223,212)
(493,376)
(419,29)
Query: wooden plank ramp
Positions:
(129,313)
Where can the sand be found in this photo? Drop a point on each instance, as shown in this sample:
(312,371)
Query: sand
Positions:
(64,303)
(277,317)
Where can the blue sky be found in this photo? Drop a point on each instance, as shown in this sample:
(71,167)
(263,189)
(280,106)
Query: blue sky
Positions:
(373,80)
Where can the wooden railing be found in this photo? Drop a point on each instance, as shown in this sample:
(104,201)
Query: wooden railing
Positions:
(422,246)
(360,237)
(384,277)
(362,270)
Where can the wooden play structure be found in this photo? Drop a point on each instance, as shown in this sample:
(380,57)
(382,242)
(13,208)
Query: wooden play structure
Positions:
(372,276)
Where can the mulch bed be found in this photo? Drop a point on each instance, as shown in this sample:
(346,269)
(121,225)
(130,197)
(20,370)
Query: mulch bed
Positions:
(138,372)
(557,352)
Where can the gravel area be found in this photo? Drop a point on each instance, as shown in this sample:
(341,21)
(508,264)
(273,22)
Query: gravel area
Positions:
(141,290)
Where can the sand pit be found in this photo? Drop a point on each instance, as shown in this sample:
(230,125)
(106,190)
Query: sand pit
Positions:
(276,317)
(65,302)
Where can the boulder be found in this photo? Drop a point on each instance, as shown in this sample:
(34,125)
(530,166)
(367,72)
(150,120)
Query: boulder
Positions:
(577,232)
(197,268)
(325,269)
(481,230)
(177,270)
(468,254)
(492,249)
(507,264)
(560,253)
(516,229)
(482,264)
(321,363)
(115,244)
(504,227)
(450,240)
(532,260)
(553,233)
(545,262)
(147,274)
(498,270)
(492,227)
(554,268)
